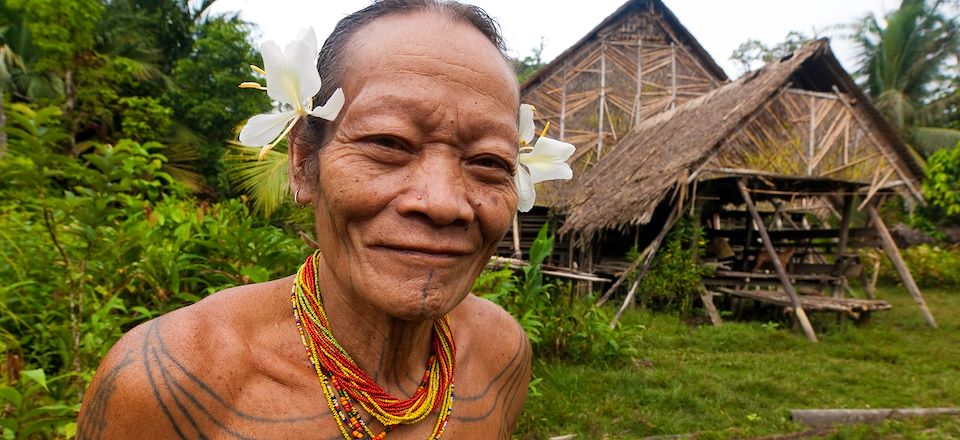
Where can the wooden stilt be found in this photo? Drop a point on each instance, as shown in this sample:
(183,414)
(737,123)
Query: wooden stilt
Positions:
(626,302)
(890,247)
(645,258)
(775,260)
(712,313)
(517,252)
(840,263)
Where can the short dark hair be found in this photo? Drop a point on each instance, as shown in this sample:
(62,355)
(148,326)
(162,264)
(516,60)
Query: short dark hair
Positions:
(314,133)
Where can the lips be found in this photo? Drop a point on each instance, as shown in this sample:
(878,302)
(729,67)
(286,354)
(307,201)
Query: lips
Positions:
(428,250)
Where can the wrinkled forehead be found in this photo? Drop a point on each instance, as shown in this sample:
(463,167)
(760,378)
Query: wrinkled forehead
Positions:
(429,45)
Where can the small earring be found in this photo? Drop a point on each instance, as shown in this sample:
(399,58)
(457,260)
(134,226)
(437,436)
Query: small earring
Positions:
(296,199)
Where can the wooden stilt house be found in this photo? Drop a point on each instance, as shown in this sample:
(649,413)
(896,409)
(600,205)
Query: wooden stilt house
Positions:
(784,167)
(637,63)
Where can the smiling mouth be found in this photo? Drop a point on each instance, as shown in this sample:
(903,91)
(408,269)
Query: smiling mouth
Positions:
(425,252)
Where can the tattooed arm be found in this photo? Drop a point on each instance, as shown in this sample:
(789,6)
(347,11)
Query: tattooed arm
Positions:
(490,397)
(118,404)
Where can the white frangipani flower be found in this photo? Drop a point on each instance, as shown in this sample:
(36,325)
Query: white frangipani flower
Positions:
(546,160)
(293,80)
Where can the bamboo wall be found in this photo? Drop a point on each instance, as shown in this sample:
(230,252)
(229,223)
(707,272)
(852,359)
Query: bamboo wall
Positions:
(803,133)
(632,71)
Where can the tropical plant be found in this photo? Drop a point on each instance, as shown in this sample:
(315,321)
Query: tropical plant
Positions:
(902,59)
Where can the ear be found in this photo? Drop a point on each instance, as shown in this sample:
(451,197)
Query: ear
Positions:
(298,152)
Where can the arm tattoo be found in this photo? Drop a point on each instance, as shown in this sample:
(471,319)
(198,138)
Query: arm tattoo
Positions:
(506,386)
(189,403)
(94,417)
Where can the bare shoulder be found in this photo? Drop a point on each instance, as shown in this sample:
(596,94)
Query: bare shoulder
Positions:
(157,370)
(497,356)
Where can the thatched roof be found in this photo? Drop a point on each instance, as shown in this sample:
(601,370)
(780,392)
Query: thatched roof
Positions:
(656,159)
(631,7)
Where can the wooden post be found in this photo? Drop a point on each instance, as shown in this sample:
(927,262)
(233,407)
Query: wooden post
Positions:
(840,263)
(638,104)
(603,97)
(890,247)
(517,253)
(563,102)
(811,144)
(673,75)
(712,313)
(646,257)
(775,260)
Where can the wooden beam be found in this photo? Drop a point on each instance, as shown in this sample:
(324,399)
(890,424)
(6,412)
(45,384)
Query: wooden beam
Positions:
(880,146)
(517,252)
(563,102)
(775,260)
(842,243)
(707,298)
(673,75)
(890,247)
(812,136)
(603,97)
(637,106)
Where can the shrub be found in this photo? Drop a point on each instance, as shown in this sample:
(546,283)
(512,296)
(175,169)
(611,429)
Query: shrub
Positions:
(559,323)
(930,265)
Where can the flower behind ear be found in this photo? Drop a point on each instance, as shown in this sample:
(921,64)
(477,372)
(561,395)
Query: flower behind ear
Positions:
(546,160)
(292,80)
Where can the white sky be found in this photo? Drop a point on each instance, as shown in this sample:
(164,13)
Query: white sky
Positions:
(720,26)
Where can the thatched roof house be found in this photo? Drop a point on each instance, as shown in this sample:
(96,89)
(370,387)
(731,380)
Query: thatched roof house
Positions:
(638,62)
(799,116)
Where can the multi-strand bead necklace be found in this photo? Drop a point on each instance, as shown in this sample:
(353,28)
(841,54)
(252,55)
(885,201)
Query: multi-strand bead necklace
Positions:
(343,382)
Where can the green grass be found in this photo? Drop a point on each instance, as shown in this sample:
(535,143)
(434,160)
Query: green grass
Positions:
(741,379)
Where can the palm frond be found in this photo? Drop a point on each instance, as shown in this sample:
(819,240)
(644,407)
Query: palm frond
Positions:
(264,181)
(930,139)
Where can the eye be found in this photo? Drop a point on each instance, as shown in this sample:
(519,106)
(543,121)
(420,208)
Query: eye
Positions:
(492,168)
(389,142)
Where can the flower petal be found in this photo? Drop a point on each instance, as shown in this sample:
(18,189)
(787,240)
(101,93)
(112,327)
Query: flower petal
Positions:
(548,159)
(526,194)
(308,37)
(301,62)
(276,74)
(331,109)
(525,123)
(264,128)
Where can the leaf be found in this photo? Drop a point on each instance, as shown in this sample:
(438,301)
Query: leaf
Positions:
(37,376)
(11,395)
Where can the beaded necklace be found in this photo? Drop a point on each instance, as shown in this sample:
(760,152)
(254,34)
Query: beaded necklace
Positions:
(344,382)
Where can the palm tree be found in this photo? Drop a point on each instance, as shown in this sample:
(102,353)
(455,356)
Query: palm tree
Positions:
(902,61)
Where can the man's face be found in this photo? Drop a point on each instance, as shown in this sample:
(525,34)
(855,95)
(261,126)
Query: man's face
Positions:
(416,187)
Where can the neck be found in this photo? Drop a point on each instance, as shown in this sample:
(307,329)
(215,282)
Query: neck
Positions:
(391,350)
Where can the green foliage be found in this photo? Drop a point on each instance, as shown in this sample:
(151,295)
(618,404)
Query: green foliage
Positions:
(145,119)
(942,187)
(930,265)
(674,278)
(904,61)
(206,98)
(93,245)
(29,411)
(558,323)
(753,54)
(527,66)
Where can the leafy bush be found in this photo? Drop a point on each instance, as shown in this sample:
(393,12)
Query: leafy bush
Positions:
(674,278)
(942,187)
(930,265)
(559,323)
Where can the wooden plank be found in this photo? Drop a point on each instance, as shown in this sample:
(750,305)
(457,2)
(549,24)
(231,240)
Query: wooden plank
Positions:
(852,306)
(707,298)
(890,247)
(826,418)
(797,307)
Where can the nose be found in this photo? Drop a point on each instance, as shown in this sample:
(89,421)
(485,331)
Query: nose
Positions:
(437,191)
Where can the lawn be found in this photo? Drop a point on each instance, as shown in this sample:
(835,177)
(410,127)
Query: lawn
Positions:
(740,380)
